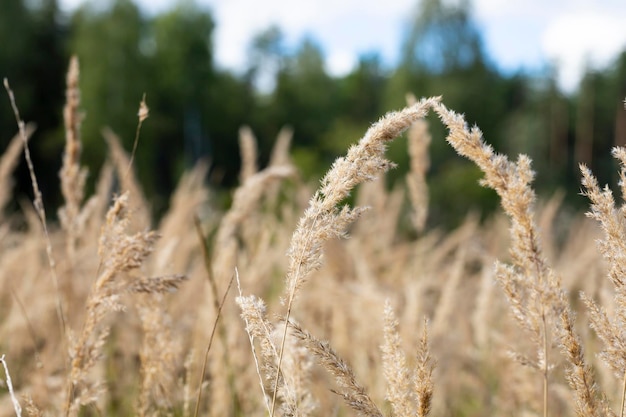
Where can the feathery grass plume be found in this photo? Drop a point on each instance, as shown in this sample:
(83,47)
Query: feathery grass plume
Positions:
(120,256)
(323,220)
(423,374)
(72,176)
(73,215)
(409,392)
(293,391)
(258,327)
(580,375)
(418,141)
(354,395)
(142,115)
(613,248)
(297,367)
(226,247)
(8,162)
(32,410)
(533,290)
(249,153)
(159,349)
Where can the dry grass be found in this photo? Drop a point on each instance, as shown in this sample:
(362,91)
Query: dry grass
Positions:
(103,313)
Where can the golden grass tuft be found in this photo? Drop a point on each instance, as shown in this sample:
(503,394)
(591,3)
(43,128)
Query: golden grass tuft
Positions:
(314,332)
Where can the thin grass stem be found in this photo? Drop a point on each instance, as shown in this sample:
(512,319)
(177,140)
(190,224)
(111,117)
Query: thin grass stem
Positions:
(208,349)
(143,115)
(40,209)
(16,403)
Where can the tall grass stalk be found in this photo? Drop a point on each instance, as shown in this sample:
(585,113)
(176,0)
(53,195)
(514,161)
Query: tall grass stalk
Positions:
(533,289)
(142,115)
(208,349)
(40,209)
(109,258)
(323,219)
(613,248)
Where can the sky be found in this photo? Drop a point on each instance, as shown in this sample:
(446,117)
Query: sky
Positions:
(528,35)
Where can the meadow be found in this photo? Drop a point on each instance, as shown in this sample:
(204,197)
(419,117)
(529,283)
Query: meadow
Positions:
(295,303)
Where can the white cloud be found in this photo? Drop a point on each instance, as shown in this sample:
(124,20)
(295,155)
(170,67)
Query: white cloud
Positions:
(517,34)
(340,62)
(69,5)
(567,33)
(577,40)
(343,28)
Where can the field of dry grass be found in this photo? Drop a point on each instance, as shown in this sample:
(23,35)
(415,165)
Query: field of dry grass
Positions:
(293,303)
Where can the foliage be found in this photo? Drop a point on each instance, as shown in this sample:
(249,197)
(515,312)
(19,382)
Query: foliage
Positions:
(197,107)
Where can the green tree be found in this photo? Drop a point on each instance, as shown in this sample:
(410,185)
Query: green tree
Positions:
(360,94)
(267,58)
(306,98)
(598,126)
(34,61)
(442,38)
(113,72)
(182,75)
(362,90)
(198,109)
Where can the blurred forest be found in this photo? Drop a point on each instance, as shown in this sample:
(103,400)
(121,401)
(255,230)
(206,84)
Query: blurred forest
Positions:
(197,108)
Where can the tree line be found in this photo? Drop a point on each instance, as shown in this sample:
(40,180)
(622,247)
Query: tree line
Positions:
(197,108)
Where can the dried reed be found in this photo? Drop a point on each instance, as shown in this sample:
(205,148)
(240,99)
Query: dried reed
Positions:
(72,176)
(40,211)
(533,289)
(378,264)
(323,220)
(121,255)
(409,391)
(612,247)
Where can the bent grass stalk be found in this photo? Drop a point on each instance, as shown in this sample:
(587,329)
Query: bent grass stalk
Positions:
(612,247)
(323,220)
(533,289)
(512,183)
